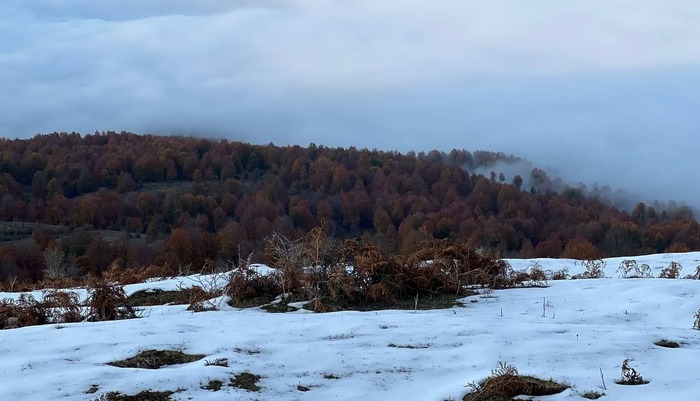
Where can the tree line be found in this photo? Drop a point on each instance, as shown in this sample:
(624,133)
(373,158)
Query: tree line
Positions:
(139,200)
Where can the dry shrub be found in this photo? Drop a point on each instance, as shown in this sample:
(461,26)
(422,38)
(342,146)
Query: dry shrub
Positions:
(24,311)
(694,276)
(629,376)
(696,323)
(54,307)
(60,282)
(163,271)
(63,306)
(562,274)
(288,256)
(673,270)
(335,276)
(108,301)
(594,268)
(116,274)
(334,286)
(537,274)
(460,264)
(199,299)
(247,287)
(630,269)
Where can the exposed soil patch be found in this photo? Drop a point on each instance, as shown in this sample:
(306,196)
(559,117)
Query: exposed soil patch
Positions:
(246,381)
(142,396)
(154,359)
(505,384)
(160,297)
(667,344)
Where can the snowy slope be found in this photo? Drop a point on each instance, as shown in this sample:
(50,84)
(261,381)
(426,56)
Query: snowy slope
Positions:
(568,331)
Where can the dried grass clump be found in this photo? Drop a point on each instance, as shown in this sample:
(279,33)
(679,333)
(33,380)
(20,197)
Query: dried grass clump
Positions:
(199,299)
(146,395)
(246,381)
(594,268)
(25,311)
(562,274)
(63,306)
(673,270)
(108,302)
(505,383)
(55,307)
(156,359)
(362,275)
(246,287)
(630,269)
(667,343)
(694,276)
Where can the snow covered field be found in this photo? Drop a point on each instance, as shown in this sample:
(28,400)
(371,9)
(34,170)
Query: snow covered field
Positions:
(569,331)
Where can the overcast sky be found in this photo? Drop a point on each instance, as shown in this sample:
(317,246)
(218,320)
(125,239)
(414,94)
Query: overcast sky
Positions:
(601,91)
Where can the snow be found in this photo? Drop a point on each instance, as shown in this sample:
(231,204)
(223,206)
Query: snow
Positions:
(569,331)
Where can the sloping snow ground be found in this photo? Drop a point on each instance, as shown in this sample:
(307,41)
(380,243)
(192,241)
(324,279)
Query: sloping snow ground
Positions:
(584,326)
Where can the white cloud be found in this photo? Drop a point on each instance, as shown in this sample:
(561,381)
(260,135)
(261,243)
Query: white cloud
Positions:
(563,82)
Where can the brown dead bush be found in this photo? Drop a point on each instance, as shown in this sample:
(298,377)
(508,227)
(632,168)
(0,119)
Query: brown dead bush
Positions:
(108,301)
(246,287)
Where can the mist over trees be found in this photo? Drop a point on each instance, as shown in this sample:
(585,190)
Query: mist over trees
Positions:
(127,200)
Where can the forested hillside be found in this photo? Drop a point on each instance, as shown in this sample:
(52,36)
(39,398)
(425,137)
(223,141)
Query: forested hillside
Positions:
(143,200)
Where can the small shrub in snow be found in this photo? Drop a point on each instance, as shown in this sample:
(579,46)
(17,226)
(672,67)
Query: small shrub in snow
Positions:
(562,274)
(629,375)
(630,269)
(696,324)
(108,302)
(694,276)
(593,269)
(246,287)
(672,271)
(54,307)
(63,306)
(221,362)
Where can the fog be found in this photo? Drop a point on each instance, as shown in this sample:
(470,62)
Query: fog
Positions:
(595,92)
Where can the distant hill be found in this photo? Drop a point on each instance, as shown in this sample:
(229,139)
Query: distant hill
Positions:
(145,199)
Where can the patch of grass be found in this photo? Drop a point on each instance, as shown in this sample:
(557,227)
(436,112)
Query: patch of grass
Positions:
(221,362)
(331,376)
(505,383)
(425,303)
(213,385)
(155,359)
(159,297)
(345,336)
(279,307)
(246,381)
(410,346)
(592,395)
(247,351)
(252,302)
(142,396)
(93,389)
(667,344)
